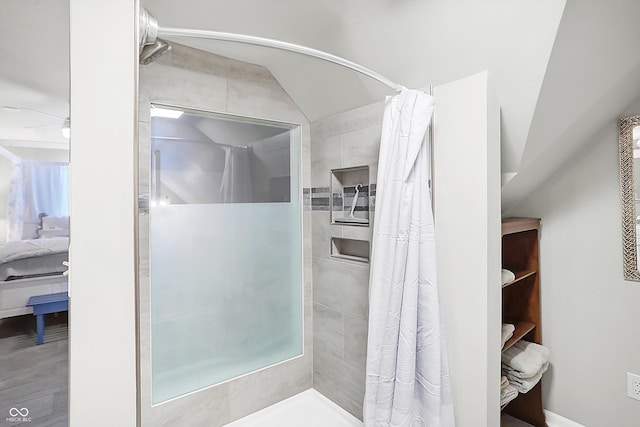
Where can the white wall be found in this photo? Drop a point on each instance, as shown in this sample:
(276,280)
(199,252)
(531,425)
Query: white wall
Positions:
(41,154)
(102,344)
(589,312)
(467,214)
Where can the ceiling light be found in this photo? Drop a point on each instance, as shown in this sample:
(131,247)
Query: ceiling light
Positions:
(166,113)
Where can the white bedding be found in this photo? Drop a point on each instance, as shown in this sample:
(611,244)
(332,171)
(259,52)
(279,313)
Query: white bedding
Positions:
(32,267)
(20,249)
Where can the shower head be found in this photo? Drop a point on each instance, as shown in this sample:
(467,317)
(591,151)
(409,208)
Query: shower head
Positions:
(151,52)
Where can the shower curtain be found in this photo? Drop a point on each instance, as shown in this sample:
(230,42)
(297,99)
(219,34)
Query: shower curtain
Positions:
(407,381)
(236,186)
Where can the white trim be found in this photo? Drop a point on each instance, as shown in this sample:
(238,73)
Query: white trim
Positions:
(555,420)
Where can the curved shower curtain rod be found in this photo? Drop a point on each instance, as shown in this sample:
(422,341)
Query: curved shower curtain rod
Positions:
(150,31)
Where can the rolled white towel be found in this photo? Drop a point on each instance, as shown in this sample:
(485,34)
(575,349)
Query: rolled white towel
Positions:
(523,385)
(525,358)
(507,332)
(507,276)
(507,395)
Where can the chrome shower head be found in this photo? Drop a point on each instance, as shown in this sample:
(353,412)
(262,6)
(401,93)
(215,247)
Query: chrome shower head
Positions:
(151,52)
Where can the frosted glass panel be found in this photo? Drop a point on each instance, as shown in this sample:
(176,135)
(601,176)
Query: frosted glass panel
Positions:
(226,266)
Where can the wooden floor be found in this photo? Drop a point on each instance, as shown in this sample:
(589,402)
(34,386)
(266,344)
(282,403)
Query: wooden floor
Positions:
(34,376)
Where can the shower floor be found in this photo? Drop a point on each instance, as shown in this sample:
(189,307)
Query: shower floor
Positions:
(309,409)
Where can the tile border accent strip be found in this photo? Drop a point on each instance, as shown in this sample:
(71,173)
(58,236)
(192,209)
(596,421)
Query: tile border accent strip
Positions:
(317,199)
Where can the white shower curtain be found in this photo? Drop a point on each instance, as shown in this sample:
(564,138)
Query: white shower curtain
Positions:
(236,185)
(407,381)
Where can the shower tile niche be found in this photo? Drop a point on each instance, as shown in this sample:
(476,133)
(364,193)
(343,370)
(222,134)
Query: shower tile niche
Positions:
(350,249)
(350,196)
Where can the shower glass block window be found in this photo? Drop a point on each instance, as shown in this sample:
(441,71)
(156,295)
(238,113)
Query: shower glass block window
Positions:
(225,248)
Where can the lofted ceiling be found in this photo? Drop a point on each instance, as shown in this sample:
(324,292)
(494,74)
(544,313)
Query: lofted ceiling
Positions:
(561,69)
(593,76)
(416,43)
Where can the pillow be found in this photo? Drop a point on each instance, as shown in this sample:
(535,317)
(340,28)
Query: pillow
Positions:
(55,222)
(54,226)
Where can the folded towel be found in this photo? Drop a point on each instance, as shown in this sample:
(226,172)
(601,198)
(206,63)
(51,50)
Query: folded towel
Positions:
(503,382)
(507,276)
(525,358)
(507,332)
(523,385)
(506,396)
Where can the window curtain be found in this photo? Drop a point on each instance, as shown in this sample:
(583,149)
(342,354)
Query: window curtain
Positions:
(36,187)
(15,206)
(407,378)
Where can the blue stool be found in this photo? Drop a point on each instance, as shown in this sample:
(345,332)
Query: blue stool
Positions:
(45,304)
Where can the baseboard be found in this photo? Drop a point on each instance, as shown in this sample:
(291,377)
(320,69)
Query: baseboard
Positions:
(555,420)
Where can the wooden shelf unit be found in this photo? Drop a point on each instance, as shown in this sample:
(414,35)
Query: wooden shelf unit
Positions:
(521,331)
(521,304)
(520,275)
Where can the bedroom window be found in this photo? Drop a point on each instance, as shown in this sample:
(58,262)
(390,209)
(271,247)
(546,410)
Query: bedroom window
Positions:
(37,189)
(225,249)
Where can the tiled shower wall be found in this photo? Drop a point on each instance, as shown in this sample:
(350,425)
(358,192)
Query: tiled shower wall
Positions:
(195,79)
(341,288)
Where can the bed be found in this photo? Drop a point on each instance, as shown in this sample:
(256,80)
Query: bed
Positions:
(29,268)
